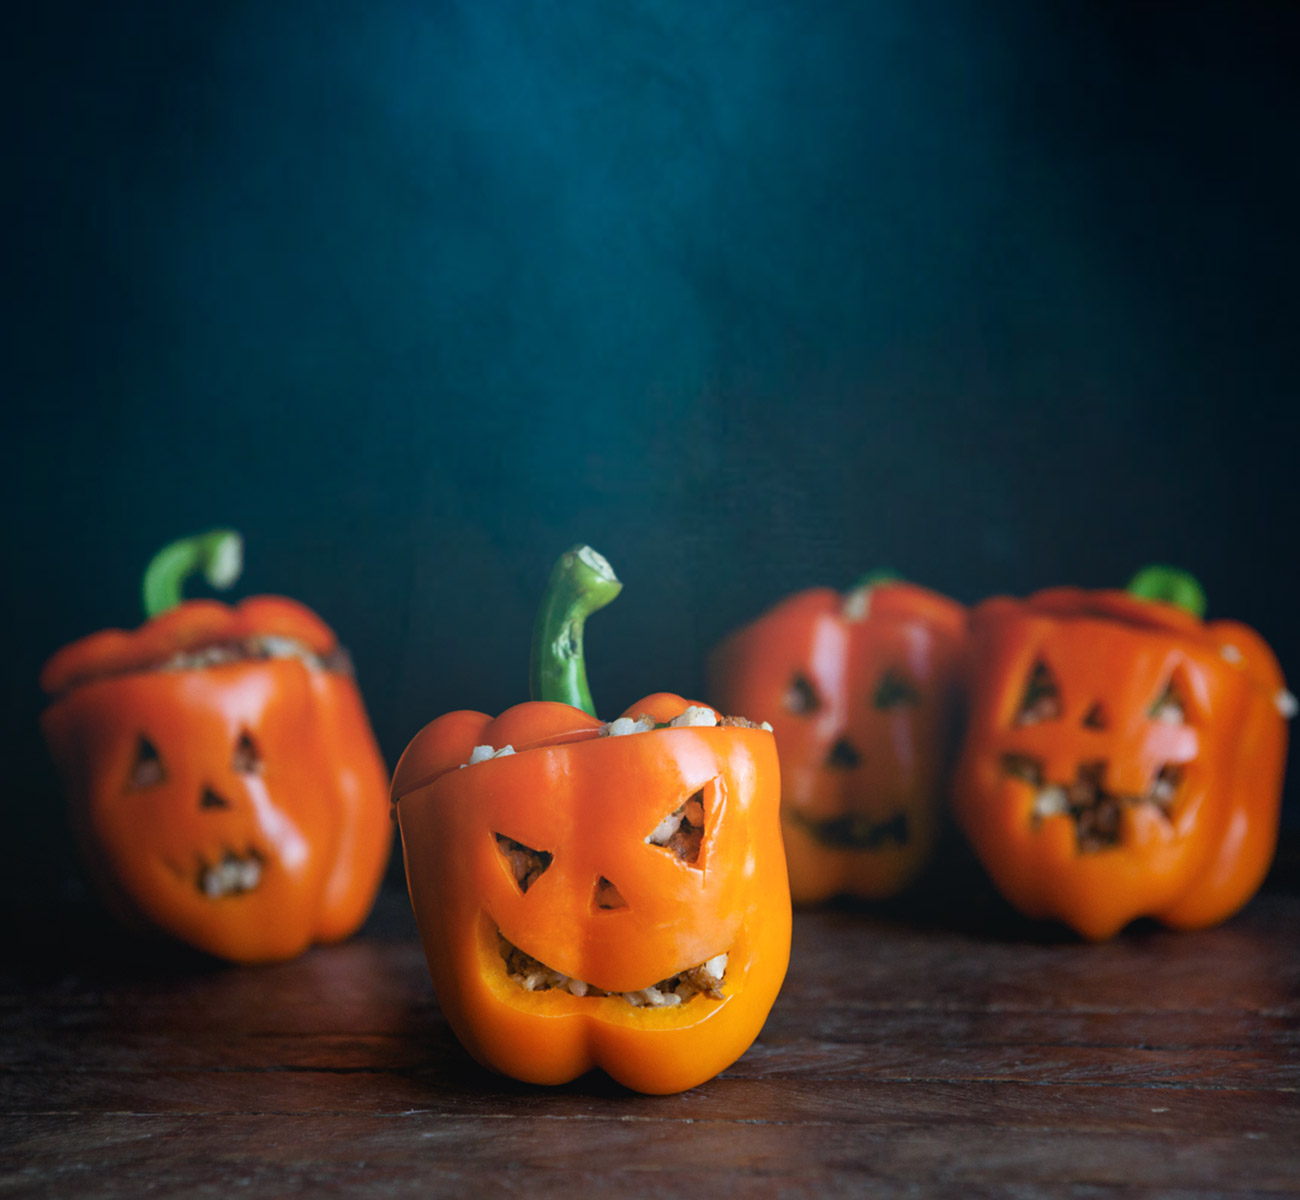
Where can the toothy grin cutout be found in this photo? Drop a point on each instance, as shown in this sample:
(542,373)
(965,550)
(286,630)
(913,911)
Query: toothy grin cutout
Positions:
(856,831)
(1094,810)
(233,875)
(535,976)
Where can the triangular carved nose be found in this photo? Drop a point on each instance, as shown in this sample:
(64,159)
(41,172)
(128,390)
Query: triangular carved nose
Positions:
(1096,718)
(210,799)
(606,897)
(843,757)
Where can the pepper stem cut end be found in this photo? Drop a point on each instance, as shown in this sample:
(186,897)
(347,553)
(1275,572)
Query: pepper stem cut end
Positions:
(857,600)
(581,583)
(1169,585)
(218,554)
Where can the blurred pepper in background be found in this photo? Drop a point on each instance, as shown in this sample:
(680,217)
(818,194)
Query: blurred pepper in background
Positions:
(224,784)
(1122,757)
(862,692)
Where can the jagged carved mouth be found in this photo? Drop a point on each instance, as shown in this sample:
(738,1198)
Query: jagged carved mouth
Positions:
(533,975)
(231,875)
(1095,811)
(856,831)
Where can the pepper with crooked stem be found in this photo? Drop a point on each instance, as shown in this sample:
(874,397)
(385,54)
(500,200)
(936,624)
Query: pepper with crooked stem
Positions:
(581,583)
(219,554)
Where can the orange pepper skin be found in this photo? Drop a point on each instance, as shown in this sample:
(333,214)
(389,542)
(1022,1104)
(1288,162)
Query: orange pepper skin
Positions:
(268,759)
(591,802)
(1147,696)
(862,692)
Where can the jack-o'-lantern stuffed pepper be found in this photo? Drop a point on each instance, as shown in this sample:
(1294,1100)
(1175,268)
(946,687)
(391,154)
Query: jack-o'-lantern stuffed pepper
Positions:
(1123,758)
(862,691)
(591,894)
(224,785)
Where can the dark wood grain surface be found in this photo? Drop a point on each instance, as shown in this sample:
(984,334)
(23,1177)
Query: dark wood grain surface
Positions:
(926,1048)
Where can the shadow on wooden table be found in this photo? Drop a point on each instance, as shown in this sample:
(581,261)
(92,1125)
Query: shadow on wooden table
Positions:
(954,895)
(934,1045)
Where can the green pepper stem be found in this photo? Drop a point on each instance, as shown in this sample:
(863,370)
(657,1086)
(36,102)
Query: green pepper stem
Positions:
(879,575)
(857,600)
(581,583)
(219,554)
(1170,585)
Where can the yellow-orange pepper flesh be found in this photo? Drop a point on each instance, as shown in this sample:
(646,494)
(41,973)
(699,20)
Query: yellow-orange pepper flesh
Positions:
(556,851)
(591,802)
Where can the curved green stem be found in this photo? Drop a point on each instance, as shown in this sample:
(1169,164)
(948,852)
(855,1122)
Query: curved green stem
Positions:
(581,583)
(1170,585)
(219,554)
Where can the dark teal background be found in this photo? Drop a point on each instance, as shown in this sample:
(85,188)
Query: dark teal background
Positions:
(748,296)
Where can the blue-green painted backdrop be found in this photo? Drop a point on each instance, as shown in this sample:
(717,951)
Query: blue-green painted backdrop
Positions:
(749,296)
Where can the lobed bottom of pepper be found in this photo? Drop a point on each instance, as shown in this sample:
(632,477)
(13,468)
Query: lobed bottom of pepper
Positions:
(535,976)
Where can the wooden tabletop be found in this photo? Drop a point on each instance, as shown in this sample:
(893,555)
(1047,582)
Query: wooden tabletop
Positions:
(918,1049)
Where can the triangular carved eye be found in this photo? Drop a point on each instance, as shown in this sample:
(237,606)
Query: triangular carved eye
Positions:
(147,768)
(1096,718)
(1022,766)
(606,896)
(1164,788)
(246,759)
(1042,698)
(682,830)
(894,691)
(525,862)
(801,697)
(1170,707)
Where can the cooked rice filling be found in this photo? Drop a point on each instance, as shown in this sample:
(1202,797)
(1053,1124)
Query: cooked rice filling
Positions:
(682,830)
(695,716)
(535,976)
(259,648)
(232,875)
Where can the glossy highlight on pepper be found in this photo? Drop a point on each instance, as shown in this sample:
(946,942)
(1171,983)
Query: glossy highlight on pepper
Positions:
(1123,758)
(591,894)
(224,784)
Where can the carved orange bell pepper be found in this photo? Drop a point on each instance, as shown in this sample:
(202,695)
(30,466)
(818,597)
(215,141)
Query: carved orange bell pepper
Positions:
(594,895)
(862,692)
(224,784)
(1123,758)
